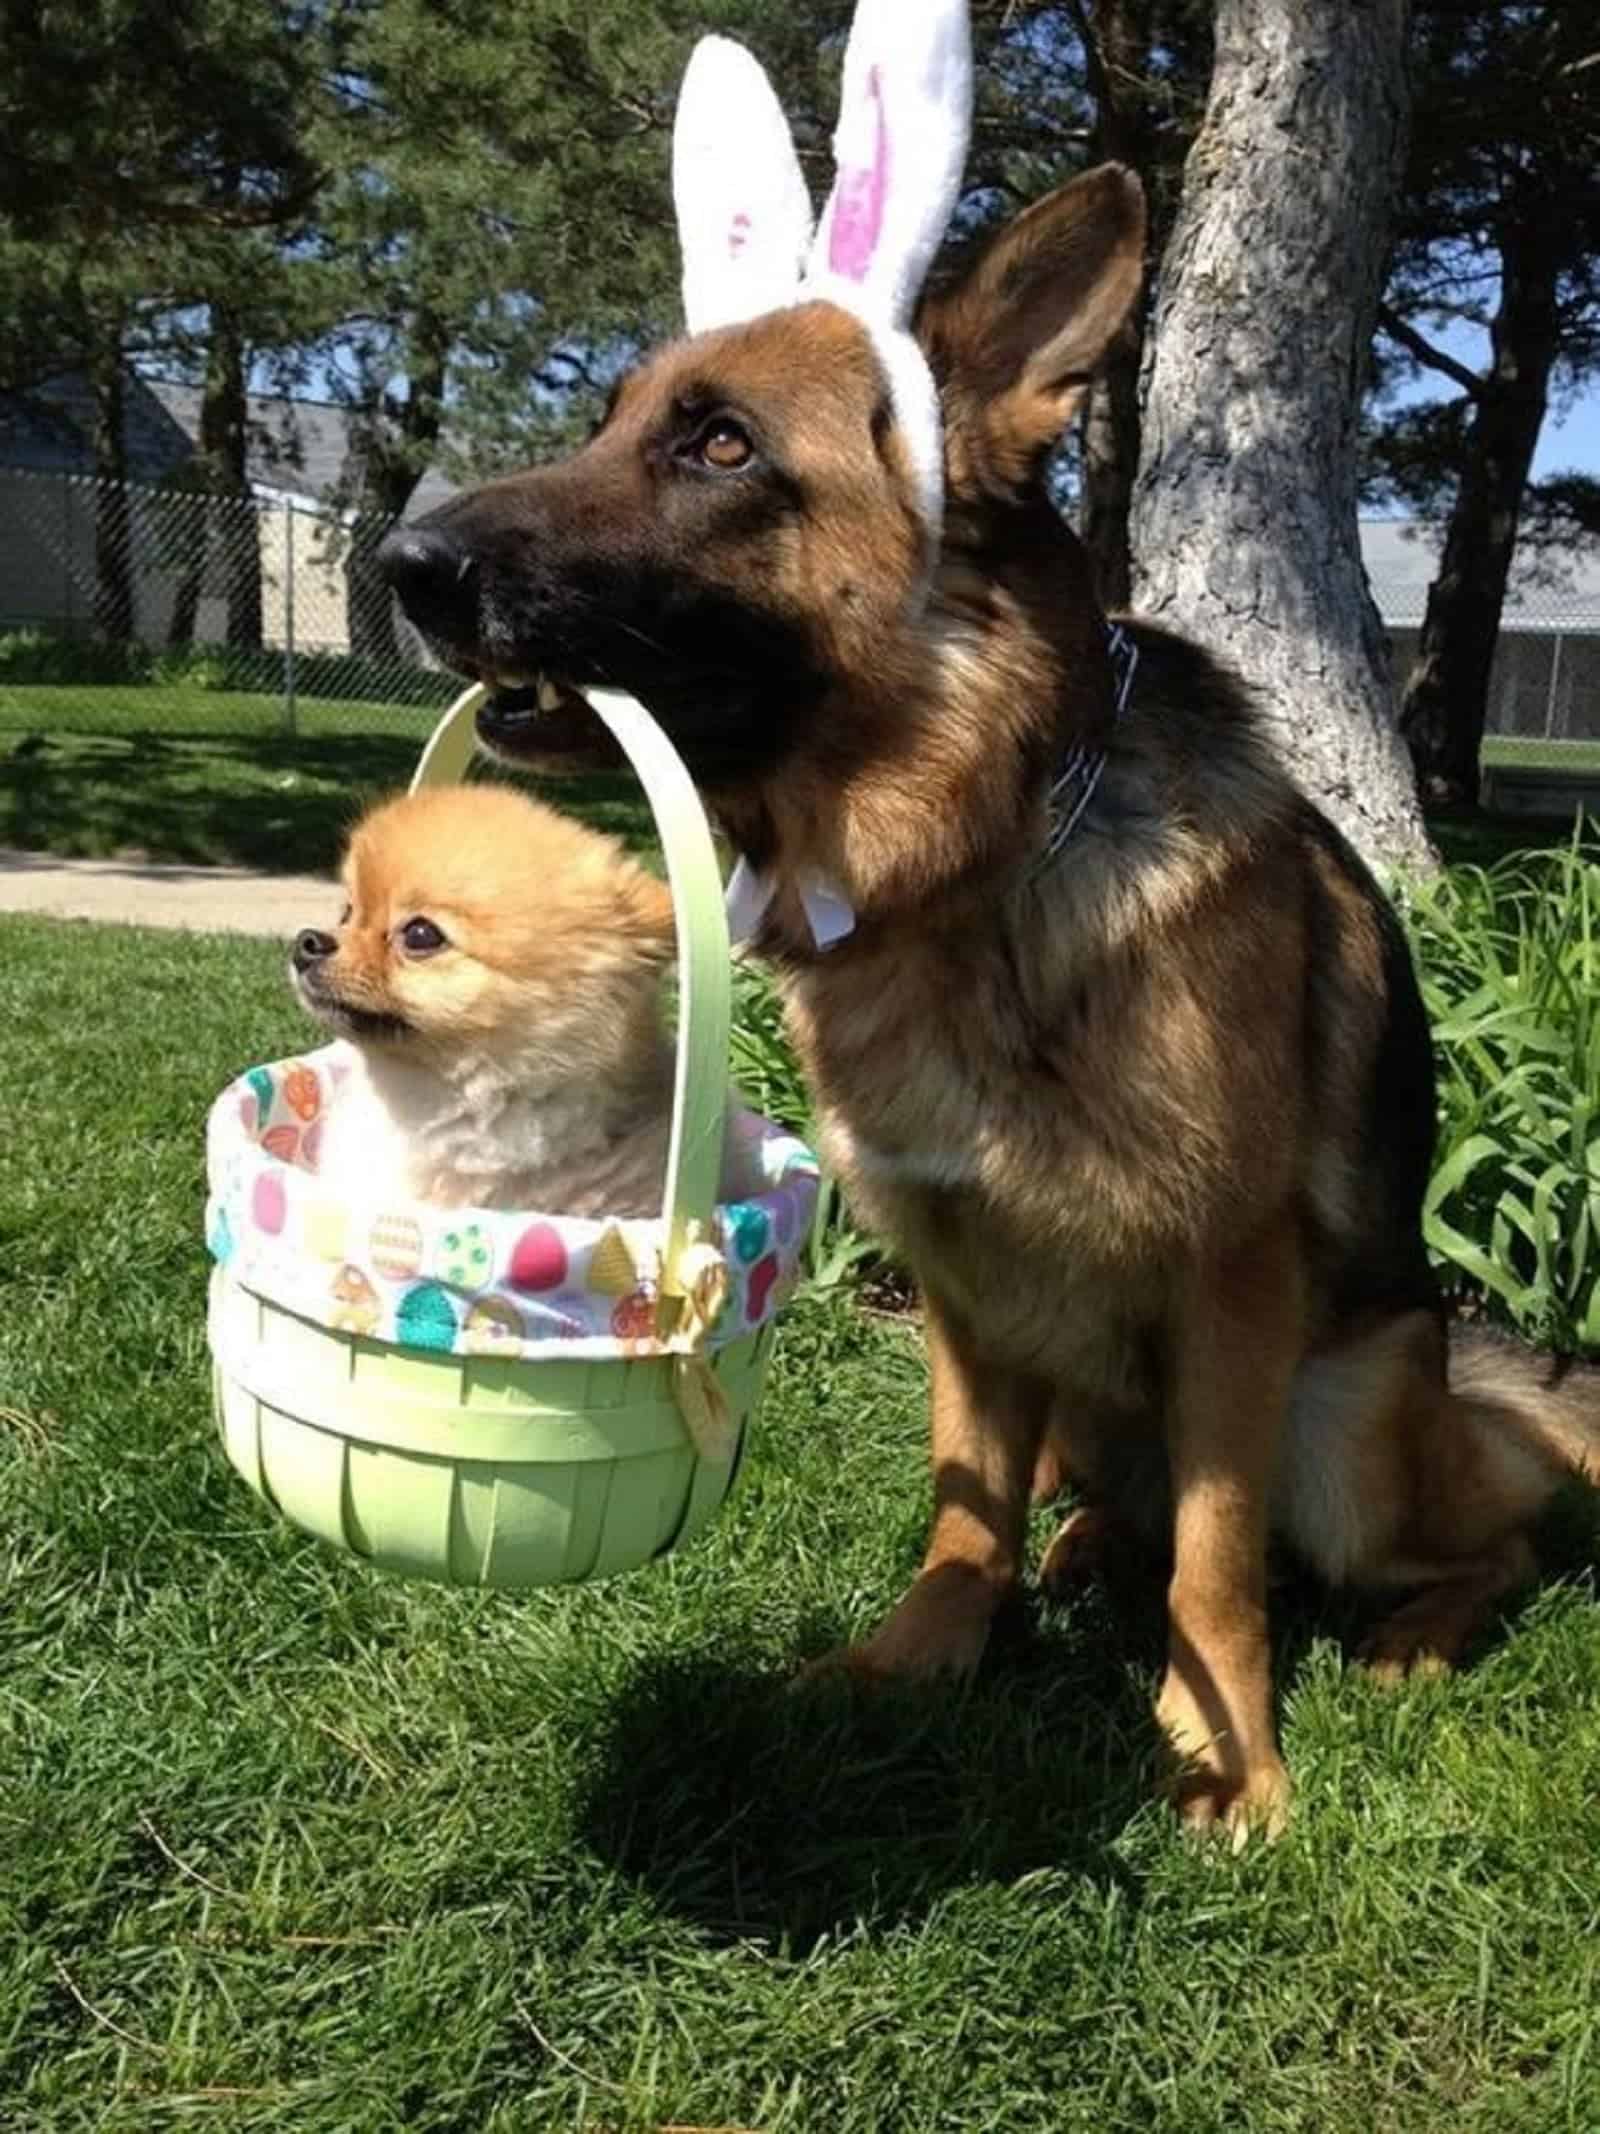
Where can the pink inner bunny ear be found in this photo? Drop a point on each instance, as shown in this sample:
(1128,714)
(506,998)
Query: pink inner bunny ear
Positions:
(856,225)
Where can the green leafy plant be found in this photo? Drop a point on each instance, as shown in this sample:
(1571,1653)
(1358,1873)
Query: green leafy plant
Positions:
(59,656)
(1509,959)
(206,667)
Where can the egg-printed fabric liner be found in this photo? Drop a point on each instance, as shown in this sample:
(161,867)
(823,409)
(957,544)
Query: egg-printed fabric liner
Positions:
(474,1281)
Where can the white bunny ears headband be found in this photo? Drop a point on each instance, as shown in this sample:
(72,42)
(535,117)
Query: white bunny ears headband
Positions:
(744,216)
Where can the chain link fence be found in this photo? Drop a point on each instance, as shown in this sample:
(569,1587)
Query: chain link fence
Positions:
(126,608)
(168,610)
(1545,685)
(1541,742)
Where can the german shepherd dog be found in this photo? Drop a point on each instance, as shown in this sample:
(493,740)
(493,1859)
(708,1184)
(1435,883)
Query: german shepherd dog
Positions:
(1151,1115)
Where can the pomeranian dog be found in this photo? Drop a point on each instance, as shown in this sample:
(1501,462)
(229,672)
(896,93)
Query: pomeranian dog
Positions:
(497,971)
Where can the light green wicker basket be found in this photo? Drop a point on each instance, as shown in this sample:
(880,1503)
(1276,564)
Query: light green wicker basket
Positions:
(504,1470)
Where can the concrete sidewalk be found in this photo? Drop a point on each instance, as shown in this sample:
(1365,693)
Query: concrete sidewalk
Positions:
(209,900)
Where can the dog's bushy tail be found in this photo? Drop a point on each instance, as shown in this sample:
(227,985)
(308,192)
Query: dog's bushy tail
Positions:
(1550,1404)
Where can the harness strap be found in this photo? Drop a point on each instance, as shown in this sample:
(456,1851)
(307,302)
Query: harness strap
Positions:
(1073,787)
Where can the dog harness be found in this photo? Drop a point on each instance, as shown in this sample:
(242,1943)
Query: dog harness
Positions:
(1075,781)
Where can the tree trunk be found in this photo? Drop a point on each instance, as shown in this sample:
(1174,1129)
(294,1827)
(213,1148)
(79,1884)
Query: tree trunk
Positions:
(1447,697)
(1115,55)
(113,529)
(221,470)
(1244,518)
(390,479)
(368,603)
(1110,458)
(224,441)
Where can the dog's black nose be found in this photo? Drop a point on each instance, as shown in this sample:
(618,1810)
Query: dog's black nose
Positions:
(312,947)
(434,577)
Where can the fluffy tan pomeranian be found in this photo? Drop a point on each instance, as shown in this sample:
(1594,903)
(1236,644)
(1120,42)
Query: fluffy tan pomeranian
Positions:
(497,970)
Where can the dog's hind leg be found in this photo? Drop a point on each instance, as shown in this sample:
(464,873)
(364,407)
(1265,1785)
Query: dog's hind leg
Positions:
(1429,1633)
(1236,1343)
(987,1426)
(1395,1478)
(1079,1549)
(1052,1470)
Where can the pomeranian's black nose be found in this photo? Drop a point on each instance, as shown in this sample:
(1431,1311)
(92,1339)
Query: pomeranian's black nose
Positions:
(312,947)
(435,578)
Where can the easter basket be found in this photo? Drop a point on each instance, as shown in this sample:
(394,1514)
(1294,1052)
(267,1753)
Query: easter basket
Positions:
(494,1398)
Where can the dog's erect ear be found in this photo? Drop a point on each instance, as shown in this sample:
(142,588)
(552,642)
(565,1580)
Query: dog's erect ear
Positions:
(1021,335)
(744,215)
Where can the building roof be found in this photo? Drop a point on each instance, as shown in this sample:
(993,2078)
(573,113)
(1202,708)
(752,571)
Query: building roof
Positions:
(1546,593)
(297,448)
(50,430)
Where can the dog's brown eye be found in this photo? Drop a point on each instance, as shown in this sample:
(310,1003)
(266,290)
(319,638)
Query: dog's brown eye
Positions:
(724,444)
(421,937)
(344,916)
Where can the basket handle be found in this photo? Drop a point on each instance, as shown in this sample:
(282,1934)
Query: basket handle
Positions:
(700,1083)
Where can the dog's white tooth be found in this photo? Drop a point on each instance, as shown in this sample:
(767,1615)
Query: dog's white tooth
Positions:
(549,695)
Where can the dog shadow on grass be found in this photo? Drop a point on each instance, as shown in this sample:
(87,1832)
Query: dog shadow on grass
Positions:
(762,1807)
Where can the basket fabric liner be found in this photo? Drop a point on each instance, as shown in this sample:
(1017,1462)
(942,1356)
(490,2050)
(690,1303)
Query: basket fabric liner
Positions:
(474,1281)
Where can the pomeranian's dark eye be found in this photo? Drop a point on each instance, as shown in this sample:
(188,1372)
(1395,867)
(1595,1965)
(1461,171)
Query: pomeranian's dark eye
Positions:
(722,444)
(421,937)
(344,916)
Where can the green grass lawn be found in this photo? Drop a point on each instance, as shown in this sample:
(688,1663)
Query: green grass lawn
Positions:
(1581,756)
(285,1846)
(176,772)
(280,802)
(184,708)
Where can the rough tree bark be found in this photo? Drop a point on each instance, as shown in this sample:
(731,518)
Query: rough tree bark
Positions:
(1447,696)
(1244,515)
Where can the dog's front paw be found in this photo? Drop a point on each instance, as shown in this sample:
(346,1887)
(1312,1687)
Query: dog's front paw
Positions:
(938,1629)
(1212,1799)
(1217,1785)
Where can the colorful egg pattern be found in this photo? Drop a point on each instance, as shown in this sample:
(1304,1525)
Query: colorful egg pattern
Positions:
(325,1230)
(396,1247)
(283,1142)
(269,1203)
(492,1328)
(426,1319)
(465,1258)
(538,1259)
(471,1281)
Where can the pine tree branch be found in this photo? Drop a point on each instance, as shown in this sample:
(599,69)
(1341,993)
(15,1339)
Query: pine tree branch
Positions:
(1402,331)
(1093,58)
